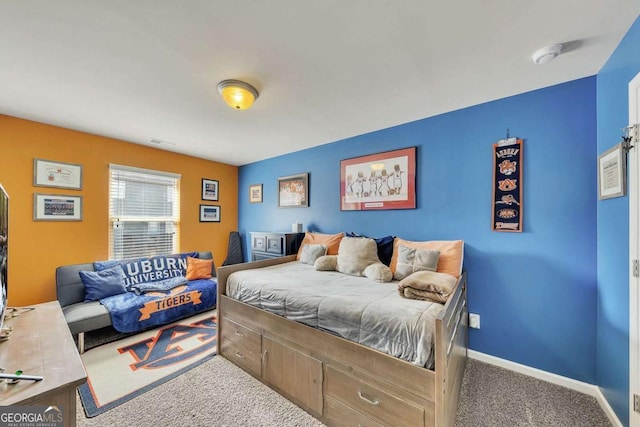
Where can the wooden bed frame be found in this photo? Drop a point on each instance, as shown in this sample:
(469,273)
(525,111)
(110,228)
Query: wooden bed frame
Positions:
(338,381)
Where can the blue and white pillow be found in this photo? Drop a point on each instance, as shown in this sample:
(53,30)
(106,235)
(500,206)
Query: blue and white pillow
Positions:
(104,283)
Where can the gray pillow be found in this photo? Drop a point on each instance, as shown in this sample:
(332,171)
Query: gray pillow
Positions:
(411,260)
(310,253)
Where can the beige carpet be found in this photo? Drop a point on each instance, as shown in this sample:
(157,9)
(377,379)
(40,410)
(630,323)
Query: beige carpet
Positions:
(218,394)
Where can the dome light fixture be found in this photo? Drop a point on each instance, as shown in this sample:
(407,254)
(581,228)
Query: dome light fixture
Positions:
(546,54)
(237,94)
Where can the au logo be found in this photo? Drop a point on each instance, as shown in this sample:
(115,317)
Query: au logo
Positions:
(173,344)
(507,184)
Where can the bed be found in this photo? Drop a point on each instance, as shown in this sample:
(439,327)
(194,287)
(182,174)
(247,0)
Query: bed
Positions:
(279,340)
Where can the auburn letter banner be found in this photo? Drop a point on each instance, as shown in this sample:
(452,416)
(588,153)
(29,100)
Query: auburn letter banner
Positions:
(507,185)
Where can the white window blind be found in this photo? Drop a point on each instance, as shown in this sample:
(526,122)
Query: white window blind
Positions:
(144,212)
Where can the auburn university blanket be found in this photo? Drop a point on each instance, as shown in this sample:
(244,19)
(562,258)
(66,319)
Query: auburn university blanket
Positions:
(131,312)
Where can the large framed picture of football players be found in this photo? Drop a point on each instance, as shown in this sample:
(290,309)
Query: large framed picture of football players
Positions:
(379,181)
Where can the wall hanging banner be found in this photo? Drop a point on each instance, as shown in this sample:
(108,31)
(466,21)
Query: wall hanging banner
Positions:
(507,185)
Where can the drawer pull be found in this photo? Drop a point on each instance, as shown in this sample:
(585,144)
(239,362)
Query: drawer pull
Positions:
(239,355)
(264,357)
(366,399)
(238,333)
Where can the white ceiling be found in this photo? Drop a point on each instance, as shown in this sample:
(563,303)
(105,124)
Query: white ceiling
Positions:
(326,70)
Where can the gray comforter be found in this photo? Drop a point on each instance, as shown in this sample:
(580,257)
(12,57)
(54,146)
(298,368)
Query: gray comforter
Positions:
(356,308)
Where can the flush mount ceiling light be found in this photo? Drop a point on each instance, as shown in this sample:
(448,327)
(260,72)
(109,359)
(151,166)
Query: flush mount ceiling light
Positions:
(546,54)
(237,94)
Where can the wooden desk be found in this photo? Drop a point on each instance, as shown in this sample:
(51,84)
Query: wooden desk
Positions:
(41,344)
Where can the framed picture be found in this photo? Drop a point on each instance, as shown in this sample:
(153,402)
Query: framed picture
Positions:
(57,207)
(209,213)
(255,193)
(612,173)
(379,181)
(293,191)
(209,189)
(57,174)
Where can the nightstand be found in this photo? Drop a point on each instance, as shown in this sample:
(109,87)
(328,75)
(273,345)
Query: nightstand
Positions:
(265,245)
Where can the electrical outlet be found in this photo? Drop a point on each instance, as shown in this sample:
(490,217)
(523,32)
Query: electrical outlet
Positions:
(474,320)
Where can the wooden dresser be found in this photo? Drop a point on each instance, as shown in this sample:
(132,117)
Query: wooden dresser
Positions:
(41,344)
(267,245)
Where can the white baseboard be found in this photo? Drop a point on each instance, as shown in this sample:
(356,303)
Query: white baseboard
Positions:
(582,387)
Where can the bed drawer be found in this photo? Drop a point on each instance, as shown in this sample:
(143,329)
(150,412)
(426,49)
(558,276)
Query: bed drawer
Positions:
(241,335)
(371,401)
(338,414)
(238,354)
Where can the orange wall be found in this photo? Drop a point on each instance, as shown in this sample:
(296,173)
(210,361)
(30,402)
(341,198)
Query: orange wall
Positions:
(36,248)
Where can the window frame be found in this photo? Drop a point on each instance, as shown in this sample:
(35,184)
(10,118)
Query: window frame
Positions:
(118,248)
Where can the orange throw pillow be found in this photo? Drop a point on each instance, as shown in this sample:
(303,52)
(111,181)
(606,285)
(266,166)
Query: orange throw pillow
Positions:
(199,268)
(331,241)
(451,254)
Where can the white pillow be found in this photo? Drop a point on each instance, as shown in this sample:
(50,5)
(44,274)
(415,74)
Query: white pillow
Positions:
(355,254)
(358,256)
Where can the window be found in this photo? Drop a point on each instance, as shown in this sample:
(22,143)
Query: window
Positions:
(144,212)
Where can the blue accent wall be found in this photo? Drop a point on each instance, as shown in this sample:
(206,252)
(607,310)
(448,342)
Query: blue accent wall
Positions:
(535,291)
(613,231)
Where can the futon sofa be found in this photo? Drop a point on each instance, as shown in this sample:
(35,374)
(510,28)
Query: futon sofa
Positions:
(145,307)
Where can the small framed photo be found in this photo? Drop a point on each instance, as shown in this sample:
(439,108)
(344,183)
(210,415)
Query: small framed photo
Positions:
(209,213)
(255,193)
(47,173)
(209,189)
(612,173)
(293,191)
(57,207)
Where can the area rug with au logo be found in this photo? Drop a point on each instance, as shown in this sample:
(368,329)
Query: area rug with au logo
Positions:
(119,371)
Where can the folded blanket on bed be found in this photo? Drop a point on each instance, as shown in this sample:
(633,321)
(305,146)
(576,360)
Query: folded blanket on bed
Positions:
(160,285)
(428,286)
